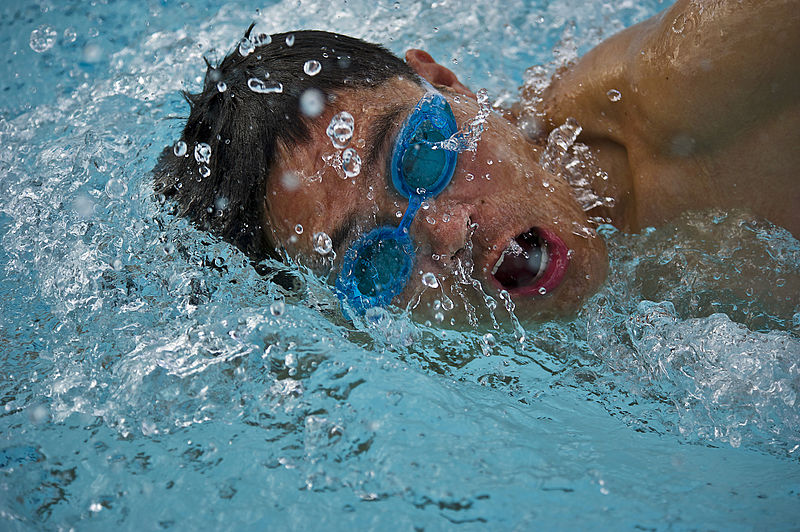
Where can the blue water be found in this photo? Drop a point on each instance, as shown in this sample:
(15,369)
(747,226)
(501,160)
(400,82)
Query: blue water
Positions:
(150,379)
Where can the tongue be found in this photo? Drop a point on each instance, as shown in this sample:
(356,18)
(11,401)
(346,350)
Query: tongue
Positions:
(522,261)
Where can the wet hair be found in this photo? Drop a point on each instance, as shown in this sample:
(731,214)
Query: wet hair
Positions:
(243,127)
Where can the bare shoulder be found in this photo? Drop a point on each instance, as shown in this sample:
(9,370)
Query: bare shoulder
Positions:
(705,112)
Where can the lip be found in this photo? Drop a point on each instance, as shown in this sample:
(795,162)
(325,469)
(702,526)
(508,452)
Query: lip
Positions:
(553,275)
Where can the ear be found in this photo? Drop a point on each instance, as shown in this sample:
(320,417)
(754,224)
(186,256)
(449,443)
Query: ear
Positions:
(424,65)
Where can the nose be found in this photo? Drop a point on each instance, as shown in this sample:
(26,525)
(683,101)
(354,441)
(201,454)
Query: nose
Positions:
(442,229)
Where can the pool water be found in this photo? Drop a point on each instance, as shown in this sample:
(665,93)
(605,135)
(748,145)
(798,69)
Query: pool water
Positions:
(150,379)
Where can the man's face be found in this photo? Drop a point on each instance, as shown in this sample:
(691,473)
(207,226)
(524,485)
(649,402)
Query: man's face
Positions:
(498,201)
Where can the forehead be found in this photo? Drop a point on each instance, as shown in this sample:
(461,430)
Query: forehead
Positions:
(306,186)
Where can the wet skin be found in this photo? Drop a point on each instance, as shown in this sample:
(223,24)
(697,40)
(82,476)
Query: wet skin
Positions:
(708,118)
(497,193)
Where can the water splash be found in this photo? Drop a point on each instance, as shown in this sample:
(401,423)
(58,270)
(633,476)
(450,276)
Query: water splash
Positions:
(467,138)
(574,162)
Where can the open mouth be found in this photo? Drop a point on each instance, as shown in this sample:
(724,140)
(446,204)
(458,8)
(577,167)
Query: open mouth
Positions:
(534,262)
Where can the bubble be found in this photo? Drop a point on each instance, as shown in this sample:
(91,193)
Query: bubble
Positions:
(205,171)
(43,38)
(246,47)
(322,243)
(614,95)
(221,86)
(542,290)
(116,188)
(290,40)
(340,130)
(202,153)
(445,218)
(469,177)
(312,102)
(430,280)
(298,229)
(351,162)
(430,219)
(312,67)
(180,148)
(439,317)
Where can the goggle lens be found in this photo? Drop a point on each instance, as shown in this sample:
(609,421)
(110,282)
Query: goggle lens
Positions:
(378,265)
(423,164)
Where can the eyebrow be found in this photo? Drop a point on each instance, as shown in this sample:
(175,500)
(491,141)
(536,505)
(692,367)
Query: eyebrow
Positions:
(340,233)
(380,129)
(379,135)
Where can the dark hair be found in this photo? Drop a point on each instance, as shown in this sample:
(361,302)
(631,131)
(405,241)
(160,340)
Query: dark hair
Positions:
(243,127)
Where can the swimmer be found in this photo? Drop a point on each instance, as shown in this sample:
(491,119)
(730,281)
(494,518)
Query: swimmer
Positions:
(333,152)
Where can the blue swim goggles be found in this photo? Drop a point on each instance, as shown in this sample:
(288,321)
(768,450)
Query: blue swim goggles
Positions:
(377,266)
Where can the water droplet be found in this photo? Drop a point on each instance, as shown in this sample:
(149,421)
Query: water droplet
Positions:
(312,67)
(445,218)
(430,220)
(116,188)
(290,40)
(202,153)
(340,130)
(351,162)
(205,171)
(221,203)
(246,47)
(398,214)
(219,262)
(430,280)
(180,148)
(487,343)
(70,35)
(43,38)
(322,243)
(277,308)
(261,87)
(469,177)
(439,317)
(290,181)
(542,290)
(614,95)
(312,102)
(298,229)
(261,39)
(425,205)
(92,53)
(116,264)
(221,86)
